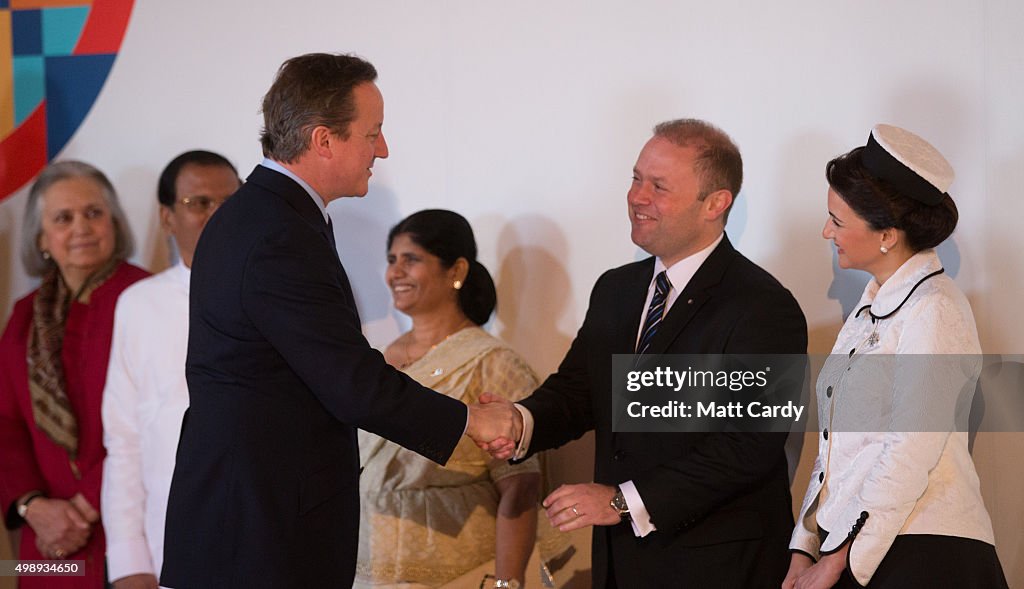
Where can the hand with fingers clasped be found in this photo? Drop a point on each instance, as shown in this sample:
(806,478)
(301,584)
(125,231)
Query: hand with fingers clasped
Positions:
(571,507)
(805,574)
(60,526)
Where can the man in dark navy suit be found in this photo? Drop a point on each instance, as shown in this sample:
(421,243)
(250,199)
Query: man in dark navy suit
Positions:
(265,487)
(674,509)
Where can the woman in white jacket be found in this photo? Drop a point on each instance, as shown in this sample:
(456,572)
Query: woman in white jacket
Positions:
(894,500)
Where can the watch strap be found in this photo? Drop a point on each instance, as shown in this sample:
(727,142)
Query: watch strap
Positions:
(23,503)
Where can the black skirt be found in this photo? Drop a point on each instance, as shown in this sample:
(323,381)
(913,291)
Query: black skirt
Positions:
(935,562)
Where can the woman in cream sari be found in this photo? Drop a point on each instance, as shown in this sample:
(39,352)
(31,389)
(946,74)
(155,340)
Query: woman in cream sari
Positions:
(423,525)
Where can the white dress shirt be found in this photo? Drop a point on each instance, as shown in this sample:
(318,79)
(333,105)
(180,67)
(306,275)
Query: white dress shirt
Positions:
(679,275)
(277,167)
(143,404)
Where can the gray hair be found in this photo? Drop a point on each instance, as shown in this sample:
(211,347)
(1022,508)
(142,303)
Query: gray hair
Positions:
(32,227)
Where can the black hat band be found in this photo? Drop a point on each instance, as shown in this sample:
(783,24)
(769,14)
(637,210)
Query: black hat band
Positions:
(882,165)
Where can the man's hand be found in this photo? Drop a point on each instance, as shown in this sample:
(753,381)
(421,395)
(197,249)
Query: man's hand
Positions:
(571,507)
(60,528)
(495,425)
(140,581)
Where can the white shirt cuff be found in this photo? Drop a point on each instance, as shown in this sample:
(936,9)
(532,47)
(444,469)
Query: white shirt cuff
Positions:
(524,442)
(638,516)
(128,557)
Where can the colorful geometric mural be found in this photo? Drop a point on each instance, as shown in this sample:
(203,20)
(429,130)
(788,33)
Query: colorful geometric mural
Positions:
(54,58)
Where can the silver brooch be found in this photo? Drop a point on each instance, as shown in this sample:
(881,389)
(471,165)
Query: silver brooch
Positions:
(873,338)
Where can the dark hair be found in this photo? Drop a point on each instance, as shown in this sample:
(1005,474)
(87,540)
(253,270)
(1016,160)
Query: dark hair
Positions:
(166,191)
(310,90)
(718,165)
(882,206)
(447,235)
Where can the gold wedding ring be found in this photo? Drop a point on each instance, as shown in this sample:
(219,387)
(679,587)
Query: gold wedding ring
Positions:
(574,511)
(58,552)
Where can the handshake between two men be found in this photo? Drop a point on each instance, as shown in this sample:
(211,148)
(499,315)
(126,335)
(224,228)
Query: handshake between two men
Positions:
(496,425)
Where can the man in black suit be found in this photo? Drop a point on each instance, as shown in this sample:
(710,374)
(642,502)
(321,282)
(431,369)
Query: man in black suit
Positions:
(674,509)
(264,492)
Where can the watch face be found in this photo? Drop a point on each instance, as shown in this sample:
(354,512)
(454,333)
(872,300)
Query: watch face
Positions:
(619,504)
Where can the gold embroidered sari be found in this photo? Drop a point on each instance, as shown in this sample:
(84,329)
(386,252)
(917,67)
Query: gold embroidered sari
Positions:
(423,525)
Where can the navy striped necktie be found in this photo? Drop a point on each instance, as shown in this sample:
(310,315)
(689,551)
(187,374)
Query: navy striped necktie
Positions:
(655,312)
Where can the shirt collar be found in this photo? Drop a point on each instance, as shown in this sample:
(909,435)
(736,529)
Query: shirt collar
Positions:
(886,297)
(682,271)
(277,167)
(181,274)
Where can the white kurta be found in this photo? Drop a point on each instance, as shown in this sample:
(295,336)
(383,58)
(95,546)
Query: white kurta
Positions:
(909,474)
(143,403)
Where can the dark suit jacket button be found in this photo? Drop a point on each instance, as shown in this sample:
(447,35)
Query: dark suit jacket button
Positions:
(821,477)
(828,392)
(853,351)
(825,433)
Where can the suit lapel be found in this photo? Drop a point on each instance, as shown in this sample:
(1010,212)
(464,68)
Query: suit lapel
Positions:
(697,292)
(634,293)
(293,194)
(300,200)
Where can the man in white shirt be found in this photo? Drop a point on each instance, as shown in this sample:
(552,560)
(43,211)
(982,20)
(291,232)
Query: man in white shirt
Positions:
(146,394)
(674,509)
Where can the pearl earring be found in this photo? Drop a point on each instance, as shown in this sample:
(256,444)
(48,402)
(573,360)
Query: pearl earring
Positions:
(884,249)
(457,285)
(46,255)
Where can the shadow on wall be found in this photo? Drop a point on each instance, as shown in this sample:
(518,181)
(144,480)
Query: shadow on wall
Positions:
(801,250)
(997,454)
(534,296)
(361,229)
(136,189)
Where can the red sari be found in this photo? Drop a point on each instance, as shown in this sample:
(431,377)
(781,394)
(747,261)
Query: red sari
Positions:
(29,460)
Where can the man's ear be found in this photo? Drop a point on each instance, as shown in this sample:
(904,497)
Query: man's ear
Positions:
(717,203)
(320,141)
(166,215)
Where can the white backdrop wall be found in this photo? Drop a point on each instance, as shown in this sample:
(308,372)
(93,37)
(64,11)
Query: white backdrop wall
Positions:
(527,117)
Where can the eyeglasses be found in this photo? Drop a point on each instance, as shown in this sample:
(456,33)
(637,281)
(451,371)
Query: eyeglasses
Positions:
(201,204)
